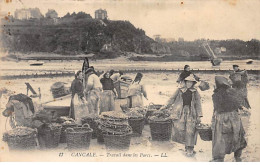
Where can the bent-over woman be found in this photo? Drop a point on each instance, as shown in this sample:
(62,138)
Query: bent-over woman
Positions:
(135,92)
(107,100)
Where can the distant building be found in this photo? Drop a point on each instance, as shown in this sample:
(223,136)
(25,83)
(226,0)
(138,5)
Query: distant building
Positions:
(157,38)
(27,13)
(100,14)
(51,14)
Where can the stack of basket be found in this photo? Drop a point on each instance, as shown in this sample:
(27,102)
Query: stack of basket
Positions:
(115,130)
(58,90)
(136,120)
(161,126)
(205,132)
(91,120)
(21,138)
(79,137)
(49,135)
(65,123)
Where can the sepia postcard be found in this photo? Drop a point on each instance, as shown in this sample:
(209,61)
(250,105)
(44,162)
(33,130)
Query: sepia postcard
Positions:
(129,81)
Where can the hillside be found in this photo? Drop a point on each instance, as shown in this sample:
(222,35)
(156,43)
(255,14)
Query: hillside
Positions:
(75,34)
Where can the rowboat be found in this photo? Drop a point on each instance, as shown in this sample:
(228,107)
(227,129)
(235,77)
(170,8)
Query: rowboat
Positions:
(36,63)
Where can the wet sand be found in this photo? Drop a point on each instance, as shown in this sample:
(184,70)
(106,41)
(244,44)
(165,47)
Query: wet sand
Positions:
(160,87)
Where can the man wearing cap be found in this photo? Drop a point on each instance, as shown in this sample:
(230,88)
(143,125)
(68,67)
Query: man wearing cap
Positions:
(227,129)
(185,109)
(92,91)
(239,80)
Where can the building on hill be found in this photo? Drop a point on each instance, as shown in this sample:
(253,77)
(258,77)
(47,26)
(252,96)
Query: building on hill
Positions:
(27,13)
(51,14)
(101,14)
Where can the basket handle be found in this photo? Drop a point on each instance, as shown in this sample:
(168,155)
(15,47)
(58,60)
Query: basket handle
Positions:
(86,125)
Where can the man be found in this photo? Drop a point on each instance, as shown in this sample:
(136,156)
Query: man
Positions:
(239,80)
(186,73)
(115,77)
(92,91)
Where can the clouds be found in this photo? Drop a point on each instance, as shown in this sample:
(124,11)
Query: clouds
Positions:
(214,19)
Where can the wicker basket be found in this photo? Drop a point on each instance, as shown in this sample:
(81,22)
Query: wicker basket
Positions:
(58,90)
(117,142)
(148,114)
(161,131)
(92,123)
(23,142)
(50,137)
(79,137)
(204,85)
(137,125)
(63,131)
(205,133)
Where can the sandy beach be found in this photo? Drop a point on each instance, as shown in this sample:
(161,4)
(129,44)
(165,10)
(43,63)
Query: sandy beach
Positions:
(160,87)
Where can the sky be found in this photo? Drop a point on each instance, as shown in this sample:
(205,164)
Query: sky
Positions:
(189,19)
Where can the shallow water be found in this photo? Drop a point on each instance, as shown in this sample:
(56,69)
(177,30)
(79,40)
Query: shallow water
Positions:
(23,67)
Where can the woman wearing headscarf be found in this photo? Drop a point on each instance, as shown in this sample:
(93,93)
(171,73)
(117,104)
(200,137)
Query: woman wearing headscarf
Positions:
(239,80)
(227,128)
(107,100)
(93,91)
(185,109)
(78,108)
(135,92)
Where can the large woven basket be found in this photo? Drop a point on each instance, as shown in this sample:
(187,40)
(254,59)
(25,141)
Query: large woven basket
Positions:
(79,137)
(21,142)
(92,123)
(117,142)
(51,137)
(204,85)
(58,90)
(137,125)
(63,131)
(161,130)
(205,133)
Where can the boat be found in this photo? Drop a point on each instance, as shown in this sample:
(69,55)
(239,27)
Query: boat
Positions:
(36,63)
(249,61)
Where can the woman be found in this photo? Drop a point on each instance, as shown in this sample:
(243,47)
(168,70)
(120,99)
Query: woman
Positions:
(228,132)
(107,100)
(185,109)
(240,84)
(135,92)
(78,108)
(93,91)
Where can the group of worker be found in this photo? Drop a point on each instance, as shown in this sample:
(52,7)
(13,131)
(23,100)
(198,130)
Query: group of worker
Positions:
(227,129)
(184,106)
(93,94)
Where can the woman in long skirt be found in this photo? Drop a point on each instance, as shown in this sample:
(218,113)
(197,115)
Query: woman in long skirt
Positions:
(107,100)
(135,92)
(78,108)
(228,131)
(185,109)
